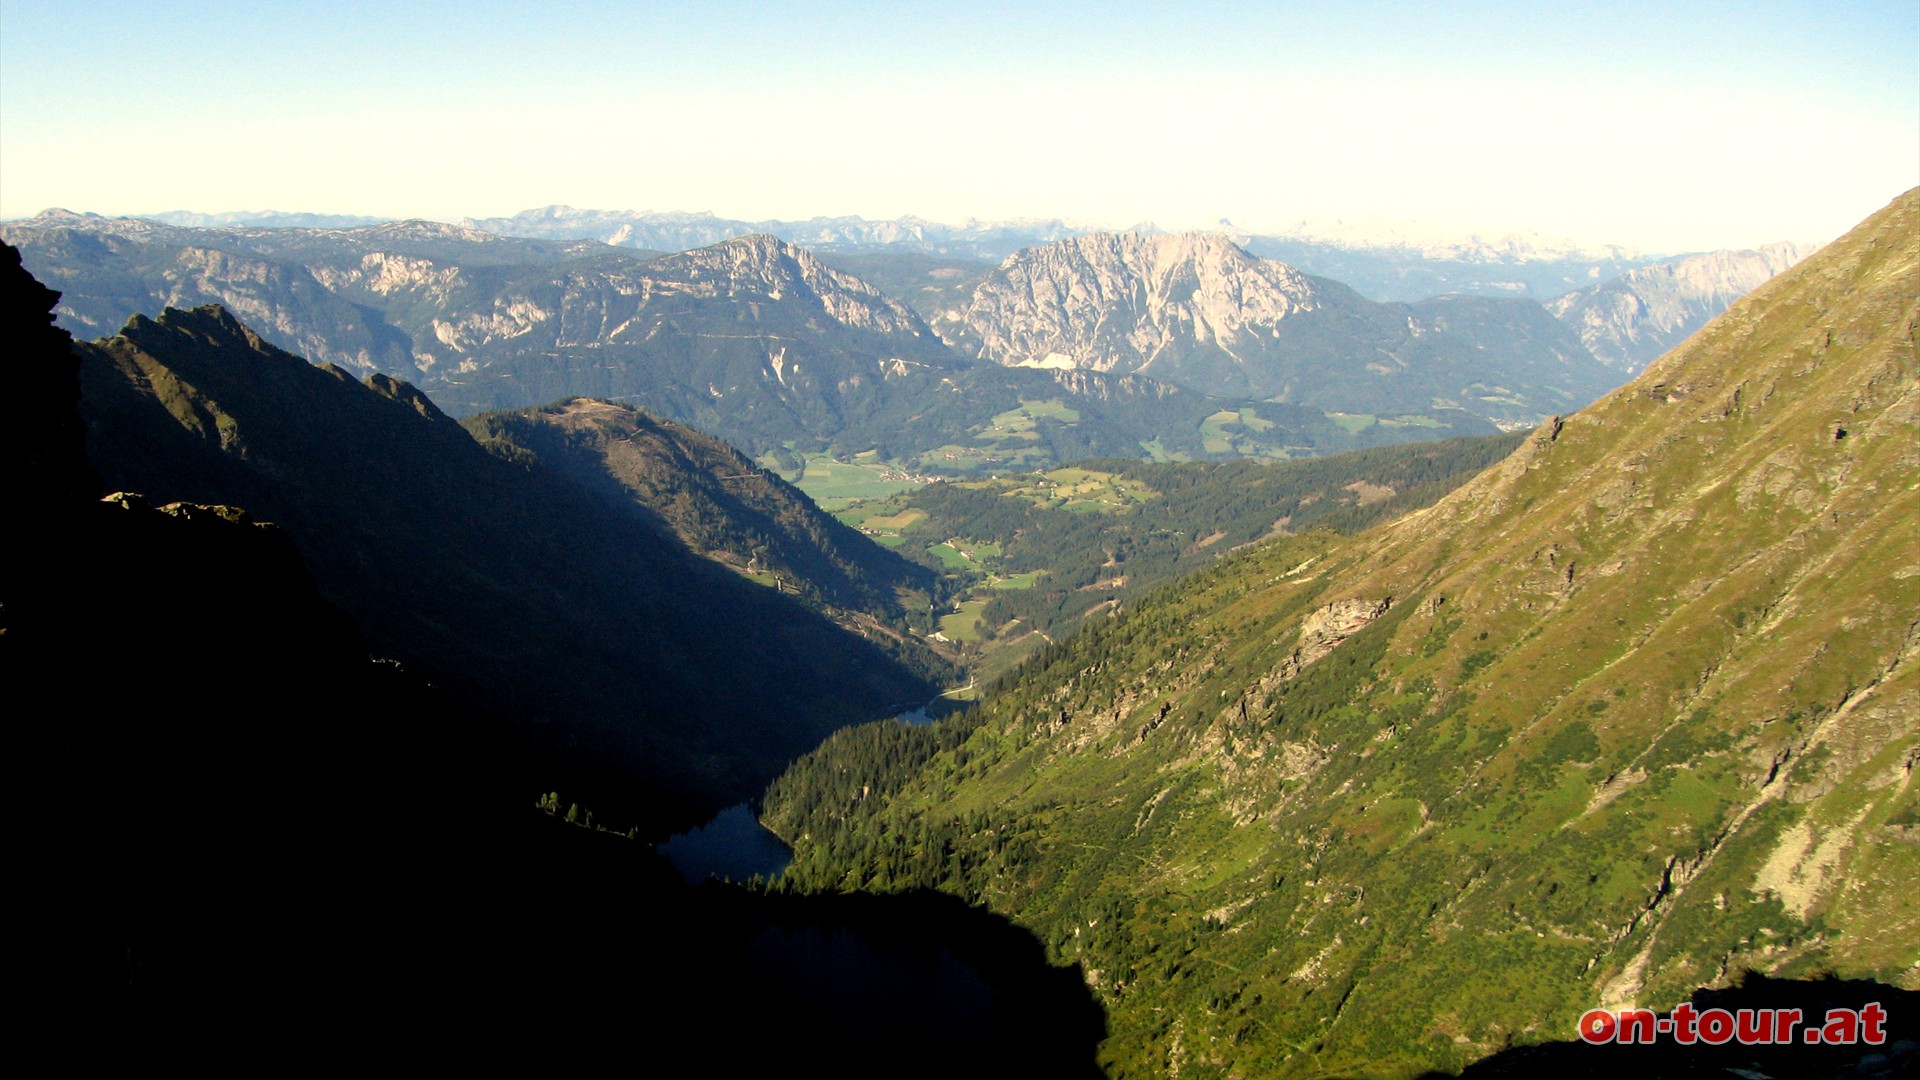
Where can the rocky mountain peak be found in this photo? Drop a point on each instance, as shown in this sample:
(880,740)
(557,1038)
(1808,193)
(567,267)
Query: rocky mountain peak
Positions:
(765,265)
(1201,311)
(56,222)
(1110,300)
(418,229)
(405,393)
(1149,254)
(212,324)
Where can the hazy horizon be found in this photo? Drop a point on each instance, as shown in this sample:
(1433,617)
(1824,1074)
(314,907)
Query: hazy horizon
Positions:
(1633,124)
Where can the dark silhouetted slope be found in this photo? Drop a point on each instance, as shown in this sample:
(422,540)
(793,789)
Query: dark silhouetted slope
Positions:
(720,504)
(534,597)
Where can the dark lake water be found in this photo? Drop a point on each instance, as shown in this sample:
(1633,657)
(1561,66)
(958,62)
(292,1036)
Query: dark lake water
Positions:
(732,845)
(905,984)
(914,983)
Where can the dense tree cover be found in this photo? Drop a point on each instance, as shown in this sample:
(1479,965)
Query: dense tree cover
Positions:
(868,763)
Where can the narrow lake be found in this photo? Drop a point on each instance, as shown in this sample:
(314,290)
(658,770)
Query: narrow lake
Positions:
(732,845)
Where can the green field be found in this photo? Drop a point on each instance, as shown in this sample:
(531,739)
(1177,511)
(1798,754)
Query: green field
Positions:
(963,555)
(1079,490)
(833,485)
(1219,433)
(1353,423)
(1157,451)
(893,523)
(964,624)
(949,556)
(954,458)
(1008,443)
(1022,420)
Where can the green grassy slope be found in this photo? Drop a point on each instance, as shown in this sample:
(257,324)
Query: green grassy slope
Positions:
(1635,710)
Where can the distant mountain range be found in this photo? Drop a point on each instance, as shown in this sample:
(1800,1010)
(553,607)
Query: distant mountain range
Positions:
(682,231)
(1382,263)
(753,339)
(263,219)
(1381,260)
(1634,319)
(776,350)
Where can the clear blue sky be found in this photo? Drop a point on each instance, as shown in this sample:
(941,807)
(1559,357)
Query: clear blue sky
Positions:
(1666,126)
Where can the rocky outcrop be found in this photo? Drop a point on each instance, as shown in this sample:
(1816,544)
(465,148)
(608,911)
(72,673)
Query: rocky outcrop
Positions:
(1323,631)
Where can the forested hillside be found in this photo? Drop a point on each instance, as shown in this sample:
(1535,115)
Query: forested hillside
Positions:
(1635,711)
(1031,556)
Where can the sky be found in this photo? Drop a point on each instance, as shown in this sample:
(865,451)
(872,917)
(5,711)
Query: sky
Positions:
(1662,127)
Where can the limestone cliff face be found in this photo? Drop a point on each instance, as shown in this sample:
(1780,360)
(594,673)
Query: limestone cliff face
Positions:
(1200,311)
(1629,321)
(762,266)
(1122,300)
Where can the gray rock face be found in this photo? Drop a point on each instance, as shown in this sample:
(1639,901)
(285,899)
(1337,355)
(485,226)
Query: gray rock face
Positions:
(1198,310)
(1123,300)
(764,265)
(1632,320)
